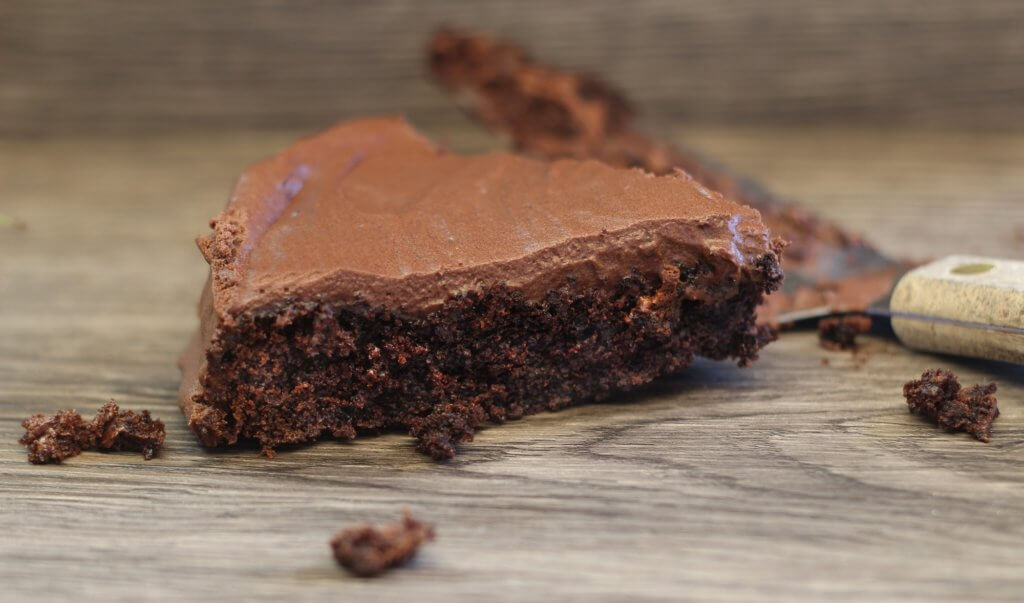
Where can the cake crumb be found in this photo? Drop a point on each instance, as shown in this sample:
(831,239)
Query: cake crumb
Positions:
(55,438)
(368,551)
(450,424)
(840,332)
(124,430)
(938,397)
(66,434)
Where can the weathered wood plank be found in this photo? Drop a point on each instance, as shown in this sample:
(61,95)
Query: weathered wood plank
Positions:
(108,66)
(786,481)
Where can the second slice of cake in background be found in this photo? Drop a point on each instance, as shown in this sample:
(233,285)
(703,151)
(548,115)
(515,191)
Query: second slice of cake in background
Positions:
(550,113)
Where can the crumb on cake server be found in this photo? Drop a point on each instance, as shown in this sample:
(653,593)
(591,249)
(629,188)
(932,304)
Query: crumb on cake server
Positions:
(365,280)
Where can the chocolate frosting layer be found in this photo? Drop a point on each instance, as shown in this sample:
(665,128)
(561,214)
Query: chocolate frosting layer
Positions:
(370,210)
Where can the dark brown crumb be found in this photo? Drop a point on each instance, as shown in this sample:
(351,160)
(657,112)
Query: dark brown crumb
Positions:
(937,396)
(124,430)
(367,550)
(53,439)
(825,362)
(840,332)
(66,434)
(439,432)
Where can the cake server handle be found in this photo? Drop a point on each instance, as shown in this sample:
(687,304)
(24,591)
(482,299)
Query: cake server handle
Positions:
(963,305)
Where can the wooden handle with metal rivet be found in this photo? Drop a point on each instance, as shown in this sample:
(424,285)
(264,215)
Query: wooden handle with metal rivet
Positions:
(963,305)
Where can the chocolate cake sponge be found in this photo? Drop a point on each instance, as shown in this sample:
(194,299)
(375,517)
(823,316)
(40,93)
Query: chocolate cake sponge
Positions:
(365,280)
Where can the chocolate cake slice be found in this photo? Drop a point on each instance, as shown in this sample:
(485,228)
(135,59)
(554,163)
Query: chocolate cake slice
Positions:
(365,280)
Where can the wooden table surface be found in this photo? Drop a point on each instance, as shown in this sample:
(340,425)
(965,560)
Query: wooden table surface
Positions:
(790,480)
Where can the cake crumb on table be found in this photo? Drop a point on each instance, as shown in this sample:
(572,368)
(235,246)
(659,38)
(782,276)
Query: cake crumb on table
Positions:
(51,439)
(367,550)
(55,438)
(438,433)
(125,430)
(938,397)
(840,332)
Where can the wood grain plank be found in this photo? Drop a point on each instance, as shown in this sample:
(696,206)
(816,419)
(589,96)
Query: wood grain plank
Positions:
(106,66)
(786,481)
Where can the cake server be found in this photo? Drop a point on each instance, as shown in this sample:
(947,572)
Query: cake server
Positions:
(961,304)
